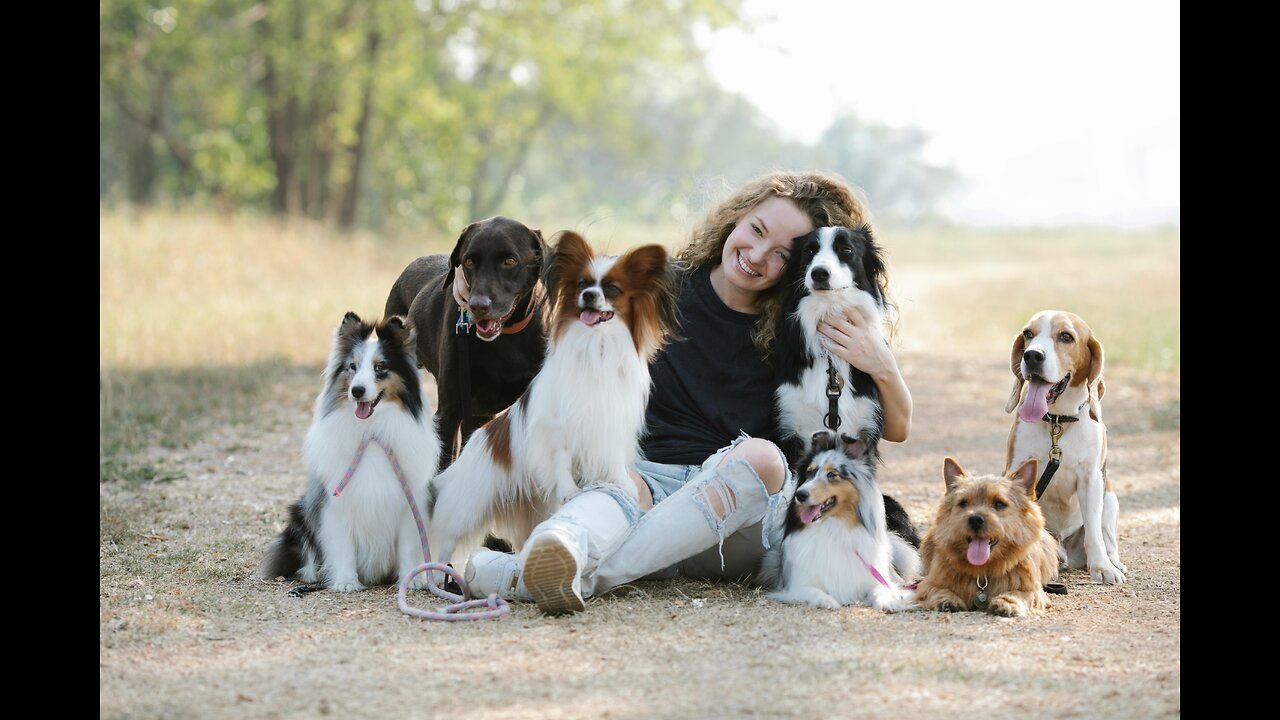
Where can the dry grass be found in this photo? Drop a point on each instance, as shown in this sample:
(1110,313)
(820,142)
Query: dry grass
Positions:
(212,335)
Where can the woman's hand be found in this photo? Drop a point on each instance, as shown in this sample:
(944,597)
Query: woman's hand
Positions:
(860,342)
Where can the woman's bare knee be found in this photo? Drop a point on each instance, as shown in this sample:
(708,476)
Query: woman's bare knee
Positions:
(765,458)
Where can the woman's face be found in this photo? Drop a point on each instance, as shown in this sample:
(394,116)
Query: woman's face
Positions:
(756,251)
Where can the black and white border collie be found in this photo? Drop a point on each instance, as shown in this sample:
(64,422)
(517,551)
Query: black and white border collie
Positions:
(837,546)
(579,422)
(830,269)
(367,535)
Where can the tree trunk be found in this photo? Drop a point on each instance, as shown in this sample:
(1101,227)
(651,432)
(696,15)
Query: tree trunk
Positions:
(351,193)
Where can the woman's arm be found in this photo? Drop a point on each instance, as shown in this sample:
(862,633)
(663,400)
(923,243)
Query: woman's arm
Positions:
(862,345)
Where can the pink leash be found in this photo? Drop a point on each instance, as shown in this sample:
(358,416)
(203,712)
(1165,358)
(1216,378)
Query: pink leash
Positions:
(497,607)
(874,572)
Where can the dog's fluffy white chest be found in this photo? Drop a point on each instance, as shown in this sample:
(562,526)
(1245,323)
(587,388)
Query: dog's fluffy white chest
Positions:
(826,556)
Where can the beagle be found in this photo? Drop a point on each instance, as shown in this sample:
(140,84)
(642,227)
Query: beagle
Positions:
(1057,368)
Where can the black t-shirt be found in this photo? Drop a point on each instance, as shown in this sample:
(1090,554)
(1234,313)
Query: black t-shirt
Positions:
(711,385)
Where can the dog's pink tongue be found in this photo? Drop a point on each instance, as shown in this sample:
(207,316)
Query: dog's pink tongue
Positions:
(979,551)
(589,317)
(1037,403)
(364,410)
(810,513)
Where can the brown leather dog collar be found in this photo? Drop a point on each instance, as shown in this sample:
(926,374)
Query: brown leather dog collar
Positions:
(535,298)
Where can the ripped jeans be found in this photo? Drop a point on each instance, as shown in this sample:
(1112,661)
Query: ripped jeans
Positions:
(683,535)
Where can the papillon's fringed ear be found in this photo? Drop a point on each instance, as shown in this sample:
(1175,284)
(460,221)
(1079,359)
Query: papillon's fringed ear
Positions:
(1095,386)
(951,472)
(1025,476)
(1015,364)
(351,319)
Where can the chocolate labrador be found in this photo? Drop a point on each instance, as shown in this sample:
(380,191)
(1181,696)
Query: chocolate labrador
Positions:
(481,369)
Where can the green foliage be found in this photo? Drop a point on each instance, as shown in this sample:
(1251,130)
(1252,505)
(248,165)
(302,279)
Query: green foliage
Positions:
(444,111)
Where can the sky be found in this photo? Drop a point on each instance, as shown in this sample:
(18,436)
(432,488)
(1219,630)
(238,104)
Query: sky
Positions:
(1052,113)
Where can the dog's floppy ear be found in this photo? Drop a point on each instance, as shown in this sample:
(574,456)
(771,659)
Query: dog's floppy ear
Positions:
(823,440)
(951,472)
(1015,364)
(1094,385)
(874,265)
(540,250)
(1025,476)
(396,329)
(455,257)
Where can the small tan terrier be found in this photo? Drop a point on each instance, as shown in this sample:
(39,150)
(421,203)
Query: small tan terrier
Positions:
(987,549)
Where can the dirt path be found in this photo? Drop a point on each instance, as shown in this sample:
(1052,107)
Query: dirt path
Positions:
(186,632)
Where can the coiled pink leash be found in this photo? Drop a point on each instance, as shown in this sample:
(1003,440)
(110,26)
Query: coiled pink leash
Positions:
(497,607)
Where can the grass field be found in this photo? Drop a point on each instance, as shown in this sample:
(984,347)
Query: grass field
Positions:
(213,332)
(197,311)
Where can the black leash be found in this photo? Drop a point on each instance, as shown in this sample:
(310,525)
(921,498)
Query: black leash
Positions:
(1055,452)
(463,326)
(835,385)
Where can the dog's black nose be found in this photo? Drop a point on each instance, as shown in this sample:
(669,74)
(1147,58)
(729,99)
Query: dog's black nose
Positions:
(357,391)
(1033,358)
(976,522)
(589,297)
(802,495)
(820,275)
(480,304)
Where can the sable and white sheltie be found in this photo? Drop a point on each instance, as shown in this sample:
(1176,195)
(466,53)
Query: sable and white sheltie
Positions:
(580,420)
(837,548)
(830,269)
(372,392)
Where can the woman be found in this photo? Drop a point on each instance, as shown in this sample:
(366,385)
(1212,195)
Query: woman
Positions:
(713,486)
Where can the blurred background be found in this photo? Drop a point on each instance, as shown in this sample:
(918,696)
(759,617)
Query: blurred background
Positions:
(265,166)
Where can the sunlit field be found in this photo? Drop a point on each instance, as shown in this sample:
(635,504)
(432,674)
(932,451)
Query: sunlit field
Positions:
(182,290)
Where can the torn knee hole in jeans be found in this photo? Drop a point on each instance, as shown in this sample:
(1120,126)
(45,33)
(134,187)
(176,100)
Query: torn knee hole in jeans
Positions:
(713,489)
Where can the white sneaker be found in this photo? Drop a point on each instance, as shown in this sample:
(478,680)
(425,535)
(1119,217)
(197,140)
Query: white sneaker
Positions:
(551,575)
(490,572)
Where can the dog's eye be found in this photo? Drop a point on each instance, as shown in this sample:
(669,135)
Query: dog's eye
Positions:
(468,263)
(962,504)
(832,476)
(1027,334)
(508,262)
(846,251)
(351,367)
(999,505)
(612,290)
(1066,338)
(583,284)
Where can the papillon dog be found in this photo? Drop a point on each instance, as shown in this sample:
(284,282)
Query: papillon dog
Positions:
(581,418)
(372,425)
(830,270)
(837,548)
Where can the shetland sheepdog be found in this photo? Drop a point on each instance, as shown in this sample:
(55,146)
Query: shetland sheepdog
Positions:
(372,399)
(830,270)
(837,548)
(579,422)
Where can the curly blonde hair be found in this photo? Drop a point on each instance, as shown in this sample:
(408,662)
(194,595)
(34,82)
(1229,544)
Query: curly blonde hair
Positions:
(826,198)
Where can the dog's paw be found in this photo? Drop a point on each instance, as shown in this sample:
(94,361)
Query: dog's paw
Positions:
(346,586)
(419,581)
(893,605)
(1006,606)
(1107,574)
(1115,560)
(825,601)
